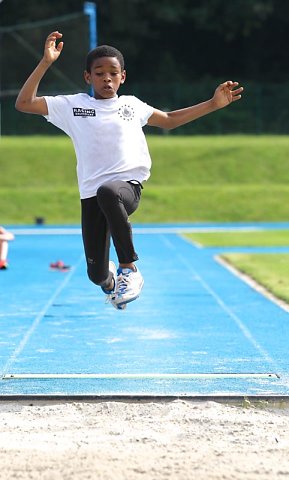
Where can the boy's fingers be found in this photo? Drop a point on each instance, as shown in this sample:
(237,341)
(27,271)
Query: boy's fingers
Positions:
(230,84)
(238,90)
(52,37)
(56,34)
(60,46)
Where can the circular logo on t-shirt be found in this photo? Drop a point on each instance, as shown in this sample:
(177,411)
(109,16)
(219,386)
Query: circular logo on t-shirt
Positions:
(126,112)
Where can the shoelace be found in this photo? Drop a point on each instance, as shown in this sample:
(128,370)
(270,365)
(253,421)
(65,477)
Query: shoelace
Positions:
(122,283)
(109,297)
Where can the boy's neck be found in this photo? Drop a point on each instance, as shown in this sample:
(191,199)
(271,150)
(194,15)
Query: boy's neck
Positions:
(105,99)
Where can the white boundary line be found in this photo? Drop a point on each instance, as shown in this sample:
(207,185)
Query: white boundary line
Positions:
(39,317)
(138,230)
(138,376)
(252,283)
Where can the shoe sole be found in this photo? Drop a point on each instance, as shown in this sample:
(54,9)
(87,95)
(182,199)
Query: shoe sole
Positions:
(120,304)
(121,307)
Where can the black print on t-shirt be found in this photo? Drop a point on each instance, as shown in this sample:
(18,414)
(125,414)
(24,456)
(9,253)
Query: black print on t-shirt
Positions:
(83,112)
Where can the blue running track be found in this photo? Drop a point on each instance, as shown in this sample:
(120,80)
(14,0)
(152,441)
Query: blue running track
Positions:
(196,330)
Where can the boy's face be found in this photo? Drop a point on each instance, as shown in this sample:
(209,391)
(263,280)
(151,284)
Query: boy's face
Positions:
(105,77)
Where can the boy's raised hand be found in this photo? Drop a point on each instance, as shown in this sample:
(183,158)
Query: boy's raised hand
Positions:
(28,101)
(225,94)
(51,51)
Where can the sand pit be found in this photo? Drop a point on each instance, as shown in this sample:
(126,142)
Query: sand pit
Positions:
(143,440)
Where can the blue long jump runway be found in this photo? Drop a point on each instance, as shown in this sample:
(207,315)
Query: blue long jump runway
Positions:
(196,330)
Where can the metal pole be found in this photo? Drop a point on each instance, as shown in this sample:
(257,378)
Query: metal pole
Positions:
(89,9)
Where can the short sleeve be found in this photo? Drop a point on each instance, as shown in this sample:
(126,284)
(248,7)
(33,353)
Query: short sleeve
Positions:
(145,111)
(58,111)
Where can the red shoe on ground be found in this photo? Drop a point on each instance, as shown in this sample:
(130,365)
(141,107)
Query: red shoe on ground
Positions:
(3,264)
(59,265)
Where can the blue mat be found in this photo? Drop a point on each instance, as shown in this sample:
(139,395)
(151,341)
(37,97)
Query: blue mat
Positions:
(196,330)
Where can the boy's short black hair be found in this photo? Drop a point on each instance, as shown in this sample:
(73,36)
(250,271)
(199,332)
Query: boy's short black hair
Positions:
(103,51)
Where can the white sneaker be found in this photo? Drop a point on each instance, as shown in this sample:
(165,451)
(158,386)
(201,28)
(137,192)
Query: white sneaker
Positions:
(128,286)
(110,294)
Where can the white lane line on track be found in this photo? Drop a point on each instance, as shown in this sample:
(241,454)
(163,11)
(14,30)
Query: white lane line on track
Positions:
(132,376)
(39,317)
(245,331)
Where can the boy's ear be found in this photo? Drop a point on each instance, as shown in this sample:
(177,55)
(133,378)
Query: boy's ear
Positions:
(87,77)
(123,77)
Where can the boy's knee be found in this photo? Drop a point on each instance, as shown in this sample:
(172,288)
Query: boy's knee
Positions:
(97,277)
(106,193)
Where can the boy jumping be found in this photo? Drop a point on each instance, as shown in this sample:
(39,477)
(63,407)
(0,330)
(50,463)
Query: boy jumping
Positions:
(112,155)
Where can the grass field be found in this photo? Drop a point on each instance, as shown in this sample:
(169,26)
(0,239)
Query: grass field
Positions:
(212,178)
(270,270)
(259,238)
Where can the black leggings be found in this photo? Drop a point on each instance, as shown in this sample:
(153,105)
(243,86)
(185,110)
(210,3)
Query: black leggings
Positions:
(105,216)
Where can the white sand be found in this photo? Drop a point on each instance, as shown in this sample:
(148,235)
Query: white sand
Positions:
(149,441)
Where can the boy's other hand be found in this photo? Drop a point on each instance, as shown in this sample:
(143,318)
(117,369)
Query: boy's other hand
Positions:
(5,235)
(51,51)
(227,93)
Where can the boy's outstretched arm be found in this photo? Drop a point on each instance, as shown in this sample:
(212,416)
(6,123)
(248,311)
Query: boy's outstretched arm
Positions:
(225,94)
(27,100)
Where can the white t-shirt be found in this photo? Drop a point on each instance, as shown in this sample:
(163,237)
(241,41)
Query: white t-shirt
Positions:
(107,136)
